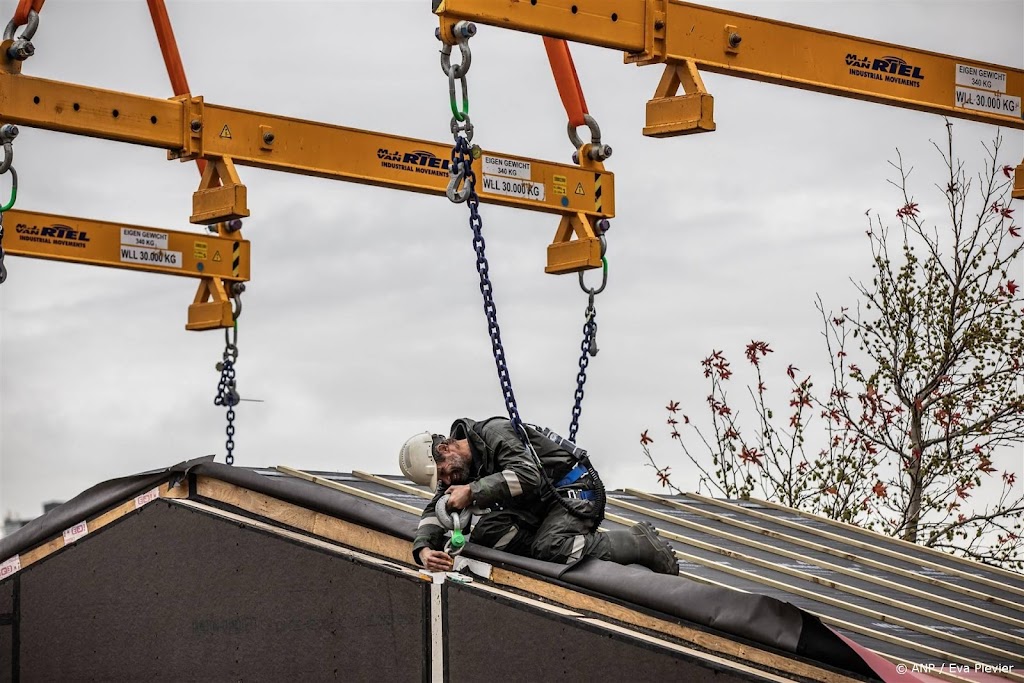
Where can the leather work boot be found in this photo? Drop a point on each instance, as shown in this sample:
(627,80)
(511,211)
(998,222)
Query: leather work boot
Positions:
(642,545)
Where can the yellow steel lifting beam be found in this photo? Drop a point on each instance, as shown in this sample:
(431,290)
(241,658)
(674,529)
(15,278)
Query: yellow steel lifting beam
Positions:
(188,127)
(217,260)
(687,37)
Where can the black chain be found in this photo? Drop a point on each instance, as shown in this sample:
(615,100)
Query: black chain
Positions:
(3,268)
(227,395)
(588,348)
(462,159)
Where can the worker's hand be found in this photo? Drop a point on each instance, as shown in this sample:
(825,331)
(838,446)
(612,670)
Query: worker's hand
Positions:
(436,560)
(460,497)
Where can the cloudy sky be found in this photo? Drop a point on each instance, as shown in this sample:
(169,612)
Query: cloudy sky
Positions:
(363,322)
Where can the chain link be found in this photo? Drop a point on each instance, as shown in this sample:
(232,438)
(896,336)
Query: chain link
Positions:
(461,170)
(588,348)
(462,154)
(3,268)
(227,392)
(462,174)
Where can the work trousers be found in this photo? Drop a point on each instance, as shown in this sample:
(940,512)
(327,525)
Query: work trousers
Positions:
(557,536)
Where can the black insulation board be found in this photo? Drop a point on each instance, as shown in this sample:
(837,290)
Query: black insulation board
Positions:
(171,593)
(495,639)
(6,653)
(889,606)
(6,598)
(7,618)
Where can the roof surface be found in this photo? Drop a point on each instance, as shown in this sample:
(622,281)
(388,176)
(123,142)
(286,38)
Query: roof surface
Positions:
(932,612)
(913,603)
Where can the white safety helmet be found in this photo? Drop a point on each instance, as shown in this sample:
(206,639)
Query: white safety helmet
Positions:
(417,459)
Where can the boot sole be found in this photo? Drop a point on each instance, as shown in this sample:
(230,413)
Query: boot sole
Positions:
(651,534)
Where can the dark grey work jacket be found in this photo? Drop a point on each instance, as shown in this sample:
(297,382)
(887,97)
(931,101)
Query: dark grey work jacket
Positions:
(502,475)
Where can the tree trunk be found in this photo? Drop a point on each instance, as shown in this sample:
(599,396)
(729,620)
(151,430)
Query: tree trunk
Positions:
(916,455)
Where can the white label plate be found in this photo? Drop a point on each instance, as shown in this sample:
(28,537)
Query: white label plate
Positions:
(983,100)
(980,77)
(513,187)
(144,238)
(147,497)
(510,168)
(151,257)
(10,566)
(76,532)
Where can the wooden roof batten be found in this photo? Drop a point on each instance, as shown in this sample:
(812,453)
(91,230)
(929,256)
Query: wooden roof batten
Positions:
(829,549)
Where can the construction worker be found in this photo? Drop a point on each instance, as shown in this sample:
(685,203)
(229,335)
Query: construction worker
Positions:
(484,465)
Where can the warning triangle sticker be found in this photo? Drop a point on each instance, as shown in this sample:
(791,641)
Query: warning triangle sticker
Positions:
(216,256)
(579,188)
(225,132)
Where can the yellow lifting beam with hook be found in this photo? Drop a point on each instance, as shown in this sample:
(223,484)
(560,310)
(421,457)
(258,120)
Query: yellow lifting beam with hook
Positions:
(189,128)
(218,260)
(687,37)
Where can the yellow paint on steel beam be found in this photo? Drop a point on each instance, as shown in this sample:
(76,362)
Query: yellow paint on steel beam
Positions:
(53,105)
(824,61)
(121,245)
(616,24)
(187,126)
(389,160)
(667,31)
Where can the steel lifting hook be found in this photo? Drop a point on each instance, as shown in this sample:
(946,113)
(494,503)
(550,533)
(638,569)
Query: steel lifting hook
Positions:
(592,322)
(458,177)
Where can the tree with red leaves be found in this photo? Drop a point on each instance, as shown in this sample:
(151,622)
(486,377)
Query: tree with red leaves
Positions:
(926,387)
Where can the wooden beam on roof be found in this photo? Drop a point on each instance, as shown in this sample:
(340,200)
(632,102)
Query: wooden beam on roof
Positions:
(350,490)
(305,539)
(967,564)
(391,484)
(295,516)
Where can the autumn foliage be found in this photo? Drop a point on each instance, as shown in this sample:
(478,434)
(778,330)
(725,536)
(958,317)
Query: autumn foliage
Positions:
(924,395)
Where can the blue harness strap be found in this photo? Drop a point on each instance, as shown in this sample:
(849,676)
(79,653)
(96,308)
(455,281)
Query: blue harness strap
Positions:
(572,477)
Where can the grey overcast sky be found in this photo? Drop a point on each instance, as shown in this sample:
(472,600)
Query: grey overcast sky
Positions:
(363,322)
